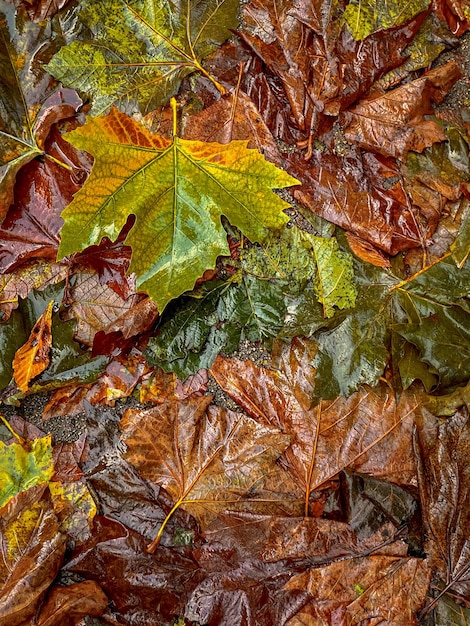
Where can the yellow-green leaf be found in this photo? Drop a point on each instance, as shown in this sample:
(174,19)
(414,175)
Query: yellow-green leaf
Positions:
(21,468)
(178,190)
(365,17)
(334,283)
(134,54)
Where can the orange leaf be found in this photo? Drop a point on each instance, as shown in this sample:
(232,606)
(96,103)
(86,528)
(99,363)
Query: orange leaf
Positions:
(33,357)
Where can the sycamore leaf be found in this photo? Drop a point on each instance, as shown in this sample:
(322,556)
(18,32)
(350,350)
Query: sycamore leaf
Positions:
(136,53)
(21,468)
(430,310)
(178,191)
(32,554)
(332,436)
(393,123)
(442,449)
(24,89)
(376,589)
(365,17)
(33,357)
(334,282)
(200,454)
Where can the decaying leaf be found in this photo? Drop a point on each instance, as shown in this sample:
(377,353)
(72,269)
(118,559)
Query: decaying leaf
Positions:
(202,455)
(389,589)
(442,449)
(364,18)
(32,549)
(22,468)
(33,357)
(332,436)
(393,123)
(24,88)
(179,189)
(136,53)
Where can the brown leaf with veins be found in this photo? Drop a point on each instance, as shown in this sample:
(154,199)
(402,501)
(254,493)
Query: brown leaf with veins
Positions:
(33,357)
(333,436)
(442,448)
(32,549)
(378,589)
(96,306)
(18,284)
(393,123)
(202,455)
(354,192)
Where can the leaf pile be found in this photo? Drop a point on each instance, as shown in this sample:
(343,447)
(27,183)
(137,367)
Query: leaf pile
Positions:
(179,181)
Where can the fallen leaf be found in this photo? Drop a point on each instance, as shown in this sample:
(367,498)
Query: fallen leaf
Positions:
(135,56)
(389,589)
(143,588)
(33,357)
(97,307)
(442,448)
(393,123)
(365,18)
(64,606)
(32,549)
(23,467)
(202,455)
(332,436)
(179,189)
(25,86)
(44,187)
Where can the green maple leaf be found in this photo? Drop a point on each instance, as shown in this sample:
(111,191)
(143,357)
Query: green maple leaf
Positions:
(135,54)
(178,191)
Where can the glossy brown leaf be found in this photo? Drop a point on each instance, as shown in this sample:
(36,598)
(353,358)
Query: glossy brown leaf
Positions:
(33,357)
(119,379)
(32,549)
(332,436)
(65,606)
(393,123)
(39,10)
(96,306)
(200,454)
(354,193)
(44,188)
(143,588)
(442,449)
(369,590)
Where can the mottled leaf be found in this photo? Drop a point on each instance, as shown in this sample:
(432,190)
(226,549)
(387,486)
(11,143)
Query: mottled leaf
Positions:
(24,87)
(180,189)
(22,468)
(366,17)
(334,281)
(32,551)
(33,357)
(135,54)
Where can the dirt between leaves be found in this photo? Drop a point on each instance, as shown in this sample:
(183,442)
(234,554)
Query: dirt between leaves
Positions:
(68,428)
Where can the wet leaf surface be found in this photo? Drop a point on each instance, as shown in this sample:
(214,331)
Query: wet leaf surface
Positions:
(184,216)
(137,44)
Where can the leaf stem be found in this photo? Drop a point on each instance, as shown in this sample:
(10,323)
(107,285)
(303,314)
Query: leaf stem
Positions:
(175,120)
(156,542)
(18,437)
(421,271)
(64,165)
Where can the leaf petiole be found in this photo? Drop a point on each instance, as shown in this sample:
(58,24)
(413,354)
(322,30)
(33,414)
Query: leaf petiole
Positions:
(18,437)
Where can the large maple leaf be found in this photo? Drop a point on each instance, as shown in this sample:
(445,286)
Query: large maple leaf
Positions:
(178,191)
(135,54)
